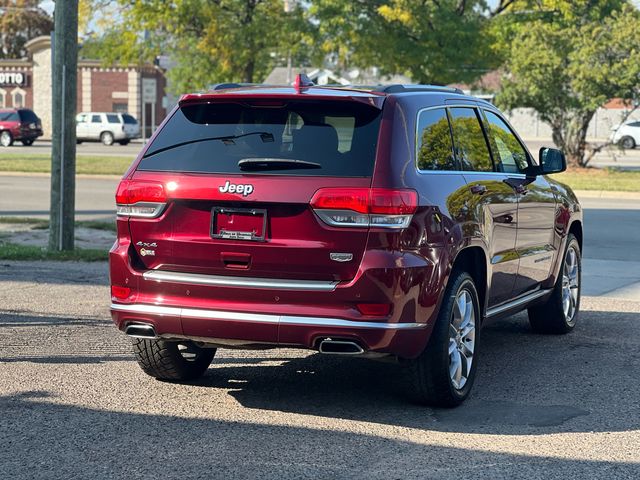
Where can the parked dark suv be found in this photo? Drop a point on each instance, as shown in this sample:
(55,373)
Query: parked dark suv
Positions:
(379,223)
(19,124)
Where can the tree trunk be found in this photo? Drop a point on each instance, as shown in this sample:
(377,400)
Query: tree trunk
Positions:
(570,136)
(248,72)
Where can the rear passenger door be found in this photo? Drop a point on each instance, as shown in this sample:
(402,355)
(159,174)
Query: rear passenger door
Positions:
(491,204)
(536,205)
(95,126)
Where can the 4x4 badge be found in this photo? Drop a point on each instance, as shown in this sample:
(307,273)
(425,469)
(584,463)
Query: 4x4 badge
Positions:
(229,187)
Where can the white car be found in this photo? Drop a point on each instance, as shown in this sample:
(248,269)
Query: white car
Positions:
(107,127)
(627,135)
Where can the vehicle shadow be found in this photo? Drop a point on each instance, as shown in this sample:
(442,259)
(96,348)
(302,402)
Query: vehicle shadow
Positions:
(527,383)
(43,439)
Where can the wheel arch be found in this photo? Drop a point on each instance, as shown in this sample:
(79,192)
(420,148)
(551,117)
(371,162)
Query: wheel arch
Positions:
(473,260)
(576,229)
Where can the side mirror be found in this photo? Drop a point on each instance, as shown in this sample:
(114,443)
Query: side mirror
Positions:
(552,160)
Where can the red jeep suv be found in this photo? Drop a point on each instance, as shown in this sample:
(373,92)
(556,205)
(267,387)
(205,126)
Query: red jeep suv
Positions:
(21,124)
(374,223)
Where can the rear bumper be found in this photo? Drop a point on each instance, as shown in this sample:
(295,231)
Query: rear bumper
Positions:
(229,328)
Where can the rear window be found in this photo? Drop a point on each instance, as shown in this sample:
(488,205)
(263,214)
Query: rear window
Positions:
(28,116)
(129,119)
(327,138)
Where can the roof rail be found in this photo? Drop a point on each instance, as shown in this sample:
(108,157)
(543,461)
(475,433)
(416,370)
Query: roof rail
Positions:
(400,88)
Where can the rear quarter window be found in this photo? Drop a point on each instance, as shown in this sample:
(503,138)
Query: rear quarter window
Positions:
(435,148)
(340,137)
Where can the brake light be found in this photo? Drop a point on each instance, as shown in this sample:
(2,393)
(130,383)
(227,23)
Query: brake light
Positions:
(140,199)
(363,207)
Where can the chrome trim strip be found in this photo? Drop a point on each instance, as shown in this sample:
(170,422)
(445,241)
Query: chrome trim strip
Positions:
(262,318)
(516,303)
(246,282)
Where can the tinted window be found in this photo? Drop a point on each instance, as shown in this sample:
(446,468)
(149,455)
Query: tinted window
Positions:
(508,154)
(113,119)
(129,119)
(470,145)
(28,116)
(9,117)
(96,119)
(435,149)
(214,137)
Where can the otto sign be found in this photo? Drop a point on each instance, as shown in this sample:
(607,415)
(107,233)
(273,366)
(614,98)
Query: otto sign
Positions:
(12,78)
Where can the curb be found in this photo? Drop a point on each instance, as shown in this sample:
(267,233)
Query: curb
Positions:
(607,194)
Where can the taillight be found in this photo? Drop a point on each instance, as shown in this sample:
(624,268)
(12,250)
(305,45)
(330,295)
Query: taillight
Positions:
(364,207)
(140,199)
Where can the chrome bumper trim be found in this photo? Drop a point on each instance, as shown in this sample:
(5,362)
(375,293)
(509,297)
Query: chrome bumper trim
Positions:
(261,318)
(246,282)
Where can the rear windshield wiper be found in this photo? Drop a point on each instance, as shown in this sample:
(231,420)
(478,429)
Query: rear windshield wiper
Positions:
(275,164)
(266,137)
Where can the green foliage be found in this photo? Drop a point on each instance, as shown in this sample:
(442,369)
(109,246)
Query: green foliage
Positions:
(21,21)
(209,41)
(565,59)
(434,42)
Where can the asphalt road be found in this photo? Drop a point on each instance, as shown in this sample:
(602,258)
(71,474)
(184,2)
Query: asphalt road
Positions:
(74,404)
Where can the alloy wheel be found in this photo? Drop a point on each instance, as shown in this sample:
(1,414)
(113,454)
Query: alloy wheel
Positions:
(462,339)
(5,139)
(570,285)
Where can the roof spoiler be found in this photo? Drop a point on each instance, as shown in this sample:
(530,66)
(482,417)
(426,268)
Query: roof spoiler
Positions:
(402,88)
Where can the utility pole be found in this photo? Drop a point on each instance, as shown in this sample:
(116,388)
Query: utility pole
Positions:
(63,149)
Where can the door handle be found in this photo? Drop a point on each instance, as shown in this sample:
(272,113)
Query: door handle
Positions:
(478,189)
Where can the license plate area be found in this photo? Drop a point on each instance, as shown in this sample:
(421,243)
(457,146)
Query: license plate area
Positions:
(239,224)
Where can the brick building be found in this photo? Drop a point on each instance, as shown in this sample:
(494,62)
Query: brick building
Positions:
(26,83)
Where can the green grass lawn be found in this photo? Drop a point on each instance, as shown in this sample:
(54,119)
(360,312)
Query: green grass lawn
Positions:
(601,179)
(12,251)
(92,165)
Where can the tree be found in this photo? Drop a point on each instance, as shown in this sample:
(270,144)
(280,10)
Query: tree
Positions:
(211,41)
(565,59)
(438,42)
(21,21)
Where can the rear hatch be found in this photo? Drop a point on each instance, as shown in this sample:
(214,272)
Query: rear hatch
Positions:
(234,180)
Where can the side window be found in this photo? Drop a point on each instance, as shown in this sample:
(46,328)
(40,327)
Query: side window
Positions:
(435,149)
(470,145)
(96,119)
(113,118)
(509,154)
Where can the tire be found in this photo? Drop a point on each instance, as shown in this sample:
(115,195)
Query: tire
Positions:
(173,361)
(627,143)
(124,142)
(6,139)
(433,378)
(28,142)
(559,314)
(106,138)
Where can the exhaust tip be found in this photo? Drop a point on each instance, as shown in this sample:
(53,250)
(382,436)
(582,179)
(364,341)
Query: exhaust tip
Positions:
(340,347)
(140,330)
